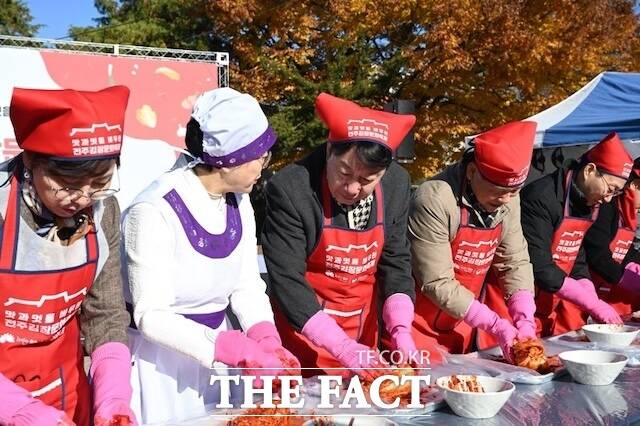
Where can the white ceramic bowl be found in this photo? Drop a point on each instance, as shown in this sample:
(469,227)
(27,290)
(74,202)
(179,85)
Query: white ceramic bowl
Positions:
(593,367)
(347,420)
(611,334)
(475,405)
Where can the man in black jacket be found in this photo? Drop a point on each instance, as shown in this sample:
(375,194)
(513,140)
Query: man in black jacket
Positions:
(335,239)
(614,262)
(557,211)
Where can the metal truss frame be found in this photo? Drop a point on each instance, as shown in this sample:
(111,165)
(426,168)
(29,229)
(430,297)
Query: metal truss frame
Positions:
(82,47)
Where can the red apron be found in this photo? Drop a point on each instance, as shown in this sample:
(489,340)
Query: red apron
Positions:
(39,334)
(553,315)
(472,251)
(341,270)
(494,299)
(623,301)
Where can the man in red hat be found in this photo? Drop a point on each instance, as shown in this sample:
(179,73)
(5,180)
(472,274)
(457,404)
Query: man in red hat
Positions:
(614,262)
(464,222)
(60,262)
(557,211)
(334,241)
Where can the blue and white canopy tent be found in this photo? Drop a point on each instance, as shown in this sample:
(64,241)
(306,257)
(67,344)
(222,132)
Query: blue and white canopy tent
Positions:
(609,102)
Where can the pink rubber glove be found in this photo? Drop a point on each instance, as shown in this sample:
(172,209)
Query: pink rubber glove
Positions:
(235,349)
(631,277)
(397,315)
(110,375)
(266,334)
(479,315)
(522,307)
(362,360)
(19,408)
(583,294)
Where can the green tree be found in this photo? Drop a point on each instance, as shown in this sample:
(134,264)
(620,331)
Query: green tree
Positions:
(15,19)
(469,64)
(178,24)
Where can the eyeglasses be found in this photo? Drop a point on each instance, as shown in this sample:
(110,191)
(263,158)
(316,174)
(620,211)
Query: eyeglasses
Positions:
(266,159)
(611,192)
(75,194)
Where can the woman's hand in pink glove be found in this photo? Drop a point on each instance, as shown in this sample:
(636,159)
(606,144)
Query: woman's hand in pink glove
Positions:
(111,378)
(362,360)
(19,408)
(266,334)
(583,294)
(39,414)
(631,277)
(397,316)
(481,316)
(522,308)
(235,349)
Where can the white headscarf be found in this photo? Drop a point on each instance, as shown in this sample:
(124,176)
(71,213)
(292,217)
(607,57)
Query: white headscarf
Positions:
(235,130)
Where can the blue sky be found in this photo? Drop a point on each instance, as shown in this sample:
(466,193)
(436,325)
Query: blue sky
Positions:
(58,15)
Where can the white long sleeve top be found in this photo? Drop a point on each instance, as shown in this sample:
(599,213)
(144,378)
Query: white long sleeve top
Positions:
(167,277)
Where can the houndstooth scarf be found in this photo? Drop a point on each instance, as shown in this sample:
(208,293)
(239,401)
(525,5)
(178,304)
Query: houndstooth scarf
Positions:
(358,214)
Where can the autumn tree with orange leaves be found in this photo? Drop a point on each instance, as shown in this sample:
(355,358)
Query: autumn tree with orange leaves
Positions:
(468,64)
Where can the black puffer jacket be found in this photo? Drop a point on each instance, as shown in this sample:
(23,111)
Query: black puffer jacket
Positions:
(596,244)
(542,203)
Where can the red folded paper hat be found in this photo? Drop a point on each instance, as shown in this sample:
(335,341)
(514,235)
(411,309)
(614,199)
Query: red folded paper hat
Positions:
(626,201)
(70,124)
(610,156)
(348,121)
(503,154)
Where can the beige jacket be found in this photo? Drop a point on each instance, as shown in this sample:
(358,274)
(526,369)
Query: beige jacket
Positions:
(433,223)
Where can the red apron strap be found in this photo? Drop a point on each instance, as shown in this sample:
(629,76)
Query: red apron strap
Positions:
(567,188)
(464,216)
(92,246)
(10,227)
(327,210)
(91,241)
(379,204)
(464,213)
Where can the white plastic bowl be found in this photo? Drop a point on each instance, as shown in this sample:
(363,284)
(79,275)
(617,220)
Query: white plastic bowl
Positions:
(593,367)
(611,334)
(475,405)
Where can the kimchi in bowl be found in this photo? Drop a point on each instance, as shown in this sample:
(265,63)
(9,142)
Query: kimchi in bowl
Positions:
(475,397)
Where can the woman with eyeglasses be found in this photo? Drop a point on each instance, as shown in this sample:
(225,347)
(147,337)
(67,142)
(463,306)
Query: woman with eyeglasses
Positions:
(60,262)
(190,247)
(557,211)
(614,261)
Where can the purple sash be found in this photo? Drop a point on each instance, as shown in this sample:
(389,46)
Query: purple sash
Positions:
(215,246)
(210,320)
